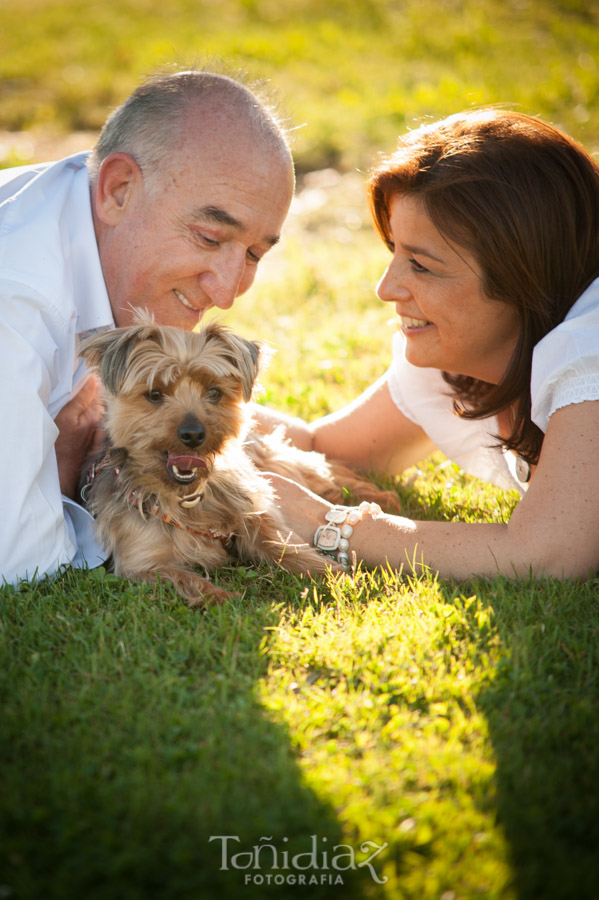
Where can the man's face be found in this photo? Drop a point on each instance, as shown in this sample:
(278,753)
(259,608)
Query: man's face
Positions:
(195,241)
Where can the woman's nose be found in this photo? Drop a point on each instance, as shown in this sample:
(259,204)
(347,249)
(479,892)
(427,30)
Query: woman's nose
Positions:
(391,286)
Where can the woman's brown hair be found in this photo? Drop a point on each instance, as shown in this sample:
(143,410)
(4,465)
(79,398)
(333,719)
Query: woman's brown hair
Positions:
(523,198)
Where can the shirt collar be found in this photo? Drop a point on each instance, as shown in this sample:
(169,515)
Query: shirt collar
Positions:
(91,297)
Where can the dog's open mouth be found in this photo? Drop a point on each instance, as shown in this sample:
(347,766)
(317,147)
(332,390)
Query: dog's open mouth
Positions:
(184,469)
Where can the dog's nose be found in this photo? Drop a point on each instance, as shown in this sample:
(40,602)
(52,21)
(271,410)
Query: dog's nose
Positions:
(191,432)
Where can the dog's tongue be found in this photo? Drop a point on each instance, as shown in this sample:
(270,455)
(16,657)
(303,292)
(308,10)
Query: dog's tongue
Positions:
(185,463)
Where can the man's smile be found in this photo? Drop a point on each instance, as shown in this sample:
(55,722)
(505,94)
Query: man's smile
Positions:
(183,299)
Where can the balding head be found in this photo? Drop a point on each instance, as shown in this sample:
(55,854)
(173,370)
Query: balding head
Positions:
(151,123)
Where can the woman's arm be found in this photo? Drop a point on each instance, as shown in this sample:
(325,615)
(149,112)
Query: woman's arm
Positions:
(370,433)
(558,520)
(553,532)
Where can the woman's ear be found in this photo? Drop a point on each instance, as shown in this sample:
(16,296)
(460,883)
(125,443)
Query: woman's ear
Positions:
(118,179)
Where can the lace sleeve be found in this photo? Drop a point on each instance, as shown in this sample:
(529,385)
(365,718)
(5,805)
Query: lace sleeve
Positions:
(574,388)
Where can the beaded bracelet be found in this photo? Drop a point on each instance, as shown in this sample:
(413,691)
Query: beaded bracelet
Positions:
(332,539)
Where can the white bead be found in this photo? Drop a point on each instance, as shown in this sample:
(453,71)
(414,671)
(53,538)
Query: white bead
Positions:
(346,531)
(343,559)
(344,544)
(354,517)
(336,515)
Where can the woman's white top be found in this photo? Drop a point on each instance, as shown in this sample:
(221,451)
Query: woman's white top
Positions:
(565,370)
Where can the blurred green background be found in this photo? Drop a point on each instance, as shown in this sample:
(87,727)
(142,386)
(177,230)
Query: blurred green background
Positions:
(351,74)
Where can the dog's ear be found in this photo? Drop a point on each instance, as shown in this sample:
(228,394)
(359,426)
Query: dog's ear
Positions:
(246,358)
(109,352)
(241,357)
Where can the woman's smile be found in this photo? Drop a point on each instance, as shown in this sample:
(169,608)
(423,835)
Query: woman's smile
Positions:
(410,325)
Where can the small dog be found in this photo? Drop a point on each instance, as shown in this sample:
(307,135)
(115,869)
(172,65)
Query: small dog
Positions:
(177,485)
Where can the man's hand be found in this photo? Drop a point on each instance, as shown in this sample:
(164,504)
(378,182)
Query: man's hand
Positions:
(77,424)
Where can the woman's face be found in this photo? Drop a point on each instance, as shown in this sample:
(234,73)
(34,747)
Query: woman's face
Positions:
(448,320)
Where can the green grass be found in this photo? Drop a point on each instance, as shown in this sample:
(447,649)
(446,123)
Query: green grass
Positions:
(453,726)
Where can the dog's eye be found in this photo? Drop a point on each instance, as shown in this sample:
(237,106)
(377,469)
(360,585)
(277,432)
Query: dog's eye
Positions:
(155,396)
(213,394)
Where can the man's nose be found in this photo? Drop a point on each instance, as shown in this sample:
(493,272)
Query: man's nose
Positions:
(225,280)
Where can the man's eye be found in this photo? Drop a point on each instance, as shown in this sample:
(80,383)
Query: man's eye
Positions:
(252,258)
(202,238)
(213,394)
(155,396)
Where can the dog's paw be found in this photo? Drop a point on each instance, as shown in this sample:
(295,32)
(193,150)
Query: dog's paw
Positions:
(193,588)
(199,592)
(207,594)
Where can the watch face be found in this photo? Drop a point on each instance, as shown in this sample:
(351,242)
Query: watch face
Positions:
(327,538)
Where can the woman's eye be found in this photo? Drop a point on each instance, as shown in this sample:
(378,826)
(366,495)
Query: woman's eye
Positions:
(155,396)
(417,267)
(213,394)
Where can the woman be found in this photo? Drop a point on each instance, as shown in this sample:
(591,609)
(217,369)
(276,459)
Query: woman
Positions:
(492,220)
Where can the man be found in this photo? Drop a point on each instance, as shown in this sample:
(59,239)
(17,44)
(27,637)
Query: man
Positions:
(184,193)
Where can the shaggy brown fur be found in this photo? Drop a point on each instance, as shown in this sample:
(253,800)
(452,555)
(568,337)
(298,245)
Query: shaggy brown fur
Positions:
(178,485)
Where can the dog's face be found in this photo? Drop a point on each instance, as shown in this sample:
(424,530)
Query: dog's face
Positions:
(173,398)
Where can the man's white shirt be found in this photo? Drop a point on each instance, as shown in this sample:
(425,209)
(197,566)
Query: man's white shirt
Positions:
(52,291)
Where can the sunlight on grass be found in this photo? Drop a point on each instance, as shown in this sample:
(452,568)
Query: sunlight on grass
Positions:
(372,688)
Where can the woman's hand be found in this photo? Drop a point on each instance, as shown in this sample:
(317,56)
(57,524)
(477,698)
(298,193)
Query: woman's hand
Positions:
(376,541)
(302,510)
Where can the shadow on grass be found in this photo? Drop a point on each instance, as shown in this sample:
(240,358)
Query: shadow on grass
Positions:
(136,759)
(541,703)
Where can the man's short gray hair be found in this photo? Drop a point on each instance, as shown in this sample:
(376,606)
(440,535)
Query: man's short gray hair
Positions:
(148,124)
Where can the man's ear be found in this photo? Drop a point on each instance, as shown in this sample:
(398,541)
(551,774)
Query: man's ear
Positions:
(119,177)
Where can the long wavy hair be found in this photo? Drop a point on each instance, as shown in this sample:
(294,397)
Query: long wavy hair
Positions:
(523,199)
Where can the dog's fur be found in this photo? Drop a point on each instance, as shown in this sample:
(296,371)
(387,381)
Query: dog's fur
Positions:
(179,459)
